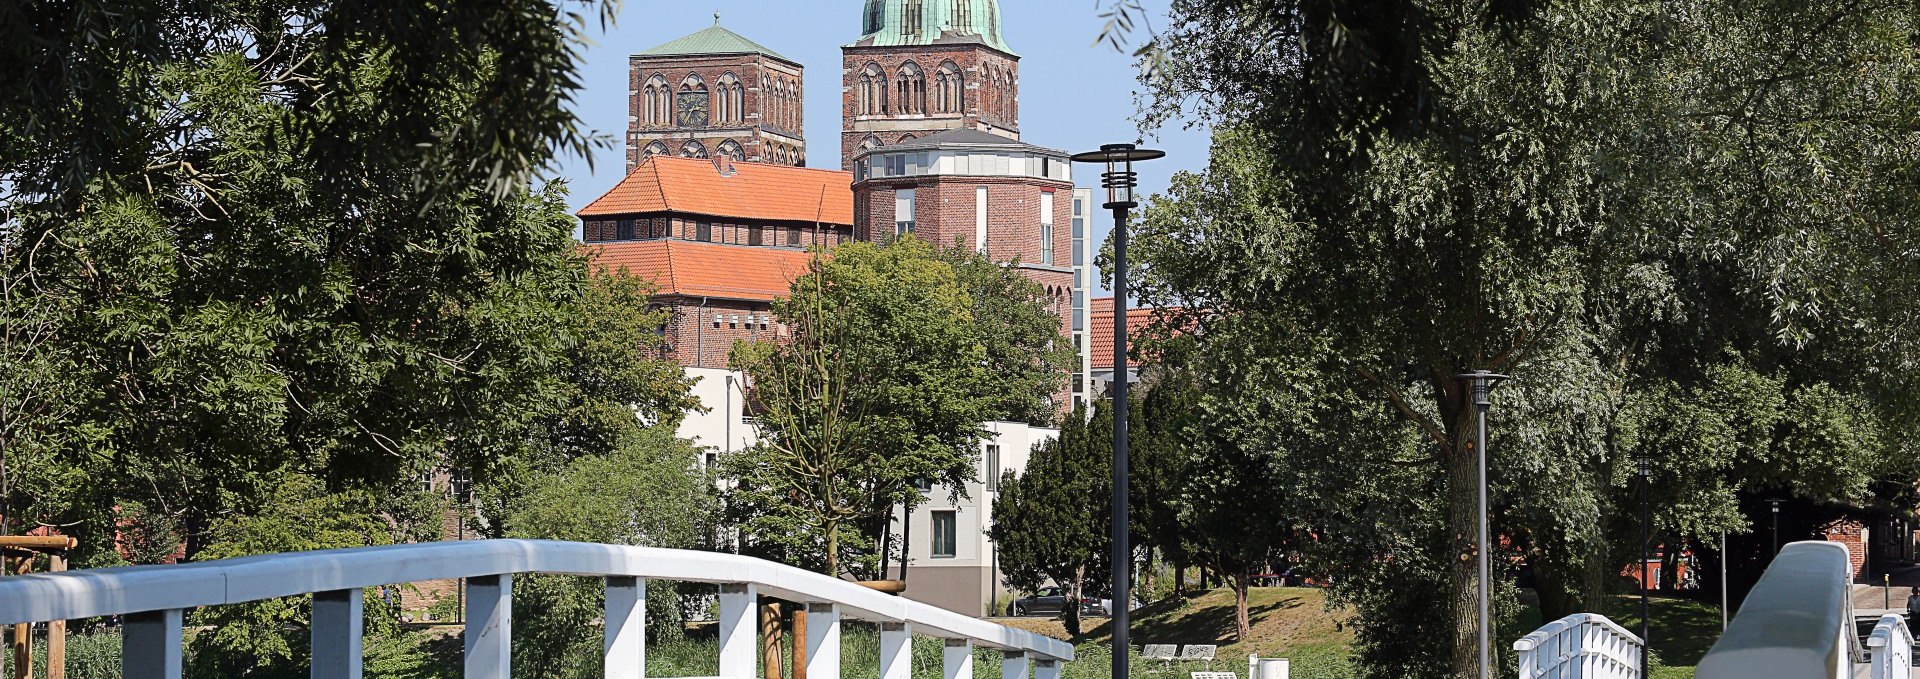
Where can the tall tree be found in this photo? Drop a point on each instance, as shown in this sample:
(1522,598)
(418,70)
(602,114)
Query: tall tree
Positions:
(1050,521)
(1591,197)
(281,236)
(893,367)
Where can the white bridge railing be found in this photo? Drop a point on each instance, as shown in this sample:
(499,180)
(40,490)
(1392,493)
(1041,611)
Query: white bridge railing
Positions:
(1890,649)
(153,600)
(1580,646)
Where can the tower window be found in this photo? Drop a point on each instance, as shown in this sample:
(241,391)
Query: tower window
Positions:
(910,18)
(903,212)
(1046,228)
(963,16)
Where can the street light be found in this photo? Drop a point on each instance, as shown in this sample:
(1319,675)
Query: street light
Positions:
(1483,382)
(1119,181)
(1776,525)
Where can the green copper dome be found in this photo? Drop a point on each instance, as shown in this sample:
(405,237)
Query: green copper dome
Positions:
(712,40)
(891,23)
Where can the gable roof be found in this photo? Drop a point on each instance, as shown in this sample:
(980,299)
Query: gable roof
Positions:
(1100,334)
(756,191)
(695,269)
(714,39)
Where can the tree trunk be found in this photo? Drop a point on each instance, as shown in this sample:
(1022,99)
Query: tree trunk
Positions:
(1070,608)
(1240,584)
(1463,524)
(1179,580)
(1146,577)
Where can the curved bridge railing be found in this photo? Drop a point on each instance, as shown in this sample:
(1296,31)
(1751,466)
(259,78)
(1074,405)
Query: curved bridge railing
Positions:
(1890,649)
(1797,621)
(153,600)
(1585,645)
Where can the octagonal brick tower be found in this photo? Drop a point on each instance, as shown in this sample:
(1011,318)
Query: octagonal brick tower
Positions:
(921,67)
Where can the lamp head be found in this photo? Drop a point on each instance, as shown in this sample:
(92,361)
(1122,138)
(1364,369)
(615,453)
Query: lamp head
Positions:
(1119,180)
(1483,382)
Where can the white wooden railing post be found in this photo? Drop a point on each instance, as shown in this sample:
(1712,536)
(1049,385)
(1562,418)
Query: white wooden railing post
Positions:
(823,641)
(957,659)
(336,634)
(1013,665)
(896,650)
(150,645)
(489,633)
(1890,649)
(626,628)
(737,630)
(1050,669)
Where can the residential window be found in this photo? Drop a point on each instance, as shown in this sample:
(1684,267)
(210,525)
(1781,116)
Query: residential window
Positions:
(625,230)
(1046,228)
(924,484)
(793,236)
(903,212)
(704,232)
(945,525)
(993,467)
(754,237)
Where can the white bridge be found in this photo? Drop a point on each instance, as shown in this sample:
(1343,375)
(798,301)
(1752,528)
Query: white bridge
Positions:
(1797,623)
(153,599)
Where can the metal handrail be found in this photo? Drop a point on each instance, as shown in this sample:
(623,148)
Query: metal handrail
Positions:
(1584,645)
(1797,621)
(154,598)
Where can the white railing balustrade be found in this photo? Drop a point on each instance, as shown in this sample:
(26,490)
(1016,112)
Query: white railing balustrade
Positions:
(1580,646)
(1796,622)
(1890,649)
(152,601)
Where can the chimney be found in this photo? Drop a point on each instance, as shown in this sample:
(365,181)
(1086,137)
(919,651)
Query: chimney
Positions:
(723,165)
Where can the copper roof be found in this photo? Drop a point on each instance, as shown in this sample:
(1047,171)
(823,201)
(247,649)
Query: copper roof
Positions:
(755,191)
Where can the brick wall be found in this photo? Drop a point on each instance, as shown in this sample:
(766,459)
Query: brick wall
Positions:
(719,230)
(991,86)
(945,212)
(695,339)
(1853,534)
(769,128)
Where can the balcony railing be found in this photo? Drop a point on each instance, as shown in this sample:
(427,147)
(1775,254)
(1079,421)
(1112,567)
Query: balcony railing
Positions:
(1584,645)
(153,601)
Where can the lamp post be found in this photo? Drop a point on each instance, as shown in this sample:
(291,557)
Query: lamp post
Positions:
(1119,181)
(1646,543)
(1776,525)
(1483,382)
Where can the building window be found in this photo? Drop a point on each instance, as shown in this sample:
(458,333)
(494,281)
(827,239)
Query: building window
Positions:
(874,10)
(945,525)
(754,237)
(704,233)
(923,483)
(624,231)
(1046,228)
(963,16)
(993,467)
(980,218)
(911,94)
(903,212)
(948,89)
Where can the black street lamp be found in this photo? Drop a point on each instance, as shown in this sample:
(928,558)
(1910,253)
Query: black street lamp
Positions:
(1119,181)
(1776,525)
(1483,382)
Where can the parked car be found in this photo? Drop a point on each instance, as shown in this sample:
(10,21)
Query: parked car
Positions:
(1052,601)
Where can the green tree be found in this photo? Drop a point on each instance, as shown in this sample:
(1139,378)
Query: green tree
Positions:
(1050,522)
(640,494)
(1595,198)
(242,240)
(897,359)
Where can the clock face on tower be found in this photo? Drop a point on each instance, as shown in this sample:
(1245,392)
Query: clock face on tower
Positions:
(692,107)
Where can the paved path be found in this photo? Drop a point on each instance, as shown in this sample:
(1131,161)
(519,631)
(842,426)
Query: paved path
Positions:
(1877,596)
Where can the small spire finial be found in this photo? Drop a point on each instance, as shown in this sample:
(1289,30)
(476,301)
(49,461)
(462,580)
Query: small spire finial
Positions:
(716,17)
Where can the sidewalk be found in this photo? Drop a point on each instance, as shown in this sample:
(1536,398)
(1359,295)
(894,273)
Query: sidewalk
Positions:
(1877,598)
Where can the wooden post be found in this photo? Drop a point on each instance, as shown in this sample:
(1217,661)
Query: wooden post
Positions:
(799,635)
(770,640)
(57,630)
(23,632)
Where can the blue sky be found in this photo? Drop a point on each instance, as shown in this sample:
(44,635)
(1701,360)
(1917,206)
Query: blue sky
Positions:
(1074,96)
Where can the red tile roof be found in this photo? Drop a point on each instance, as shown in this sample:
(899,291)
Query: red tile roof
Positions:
(1102,331)
(695,269)
(756,191)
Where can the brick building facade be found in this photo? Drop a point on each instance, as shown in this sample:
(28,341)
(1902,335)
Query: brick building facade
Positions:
(921,67)
(715,94)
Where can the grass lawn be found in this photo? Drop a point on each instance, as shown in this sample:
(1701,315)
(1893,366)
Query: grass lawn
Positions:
(1288,622)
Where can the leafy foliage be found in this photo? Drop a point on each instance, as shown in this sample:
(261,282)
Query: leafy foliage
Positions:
(898,356)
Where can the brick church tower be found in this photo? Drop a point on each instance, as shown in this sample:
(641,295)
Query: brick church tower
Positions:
(922,67)
(715,93)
